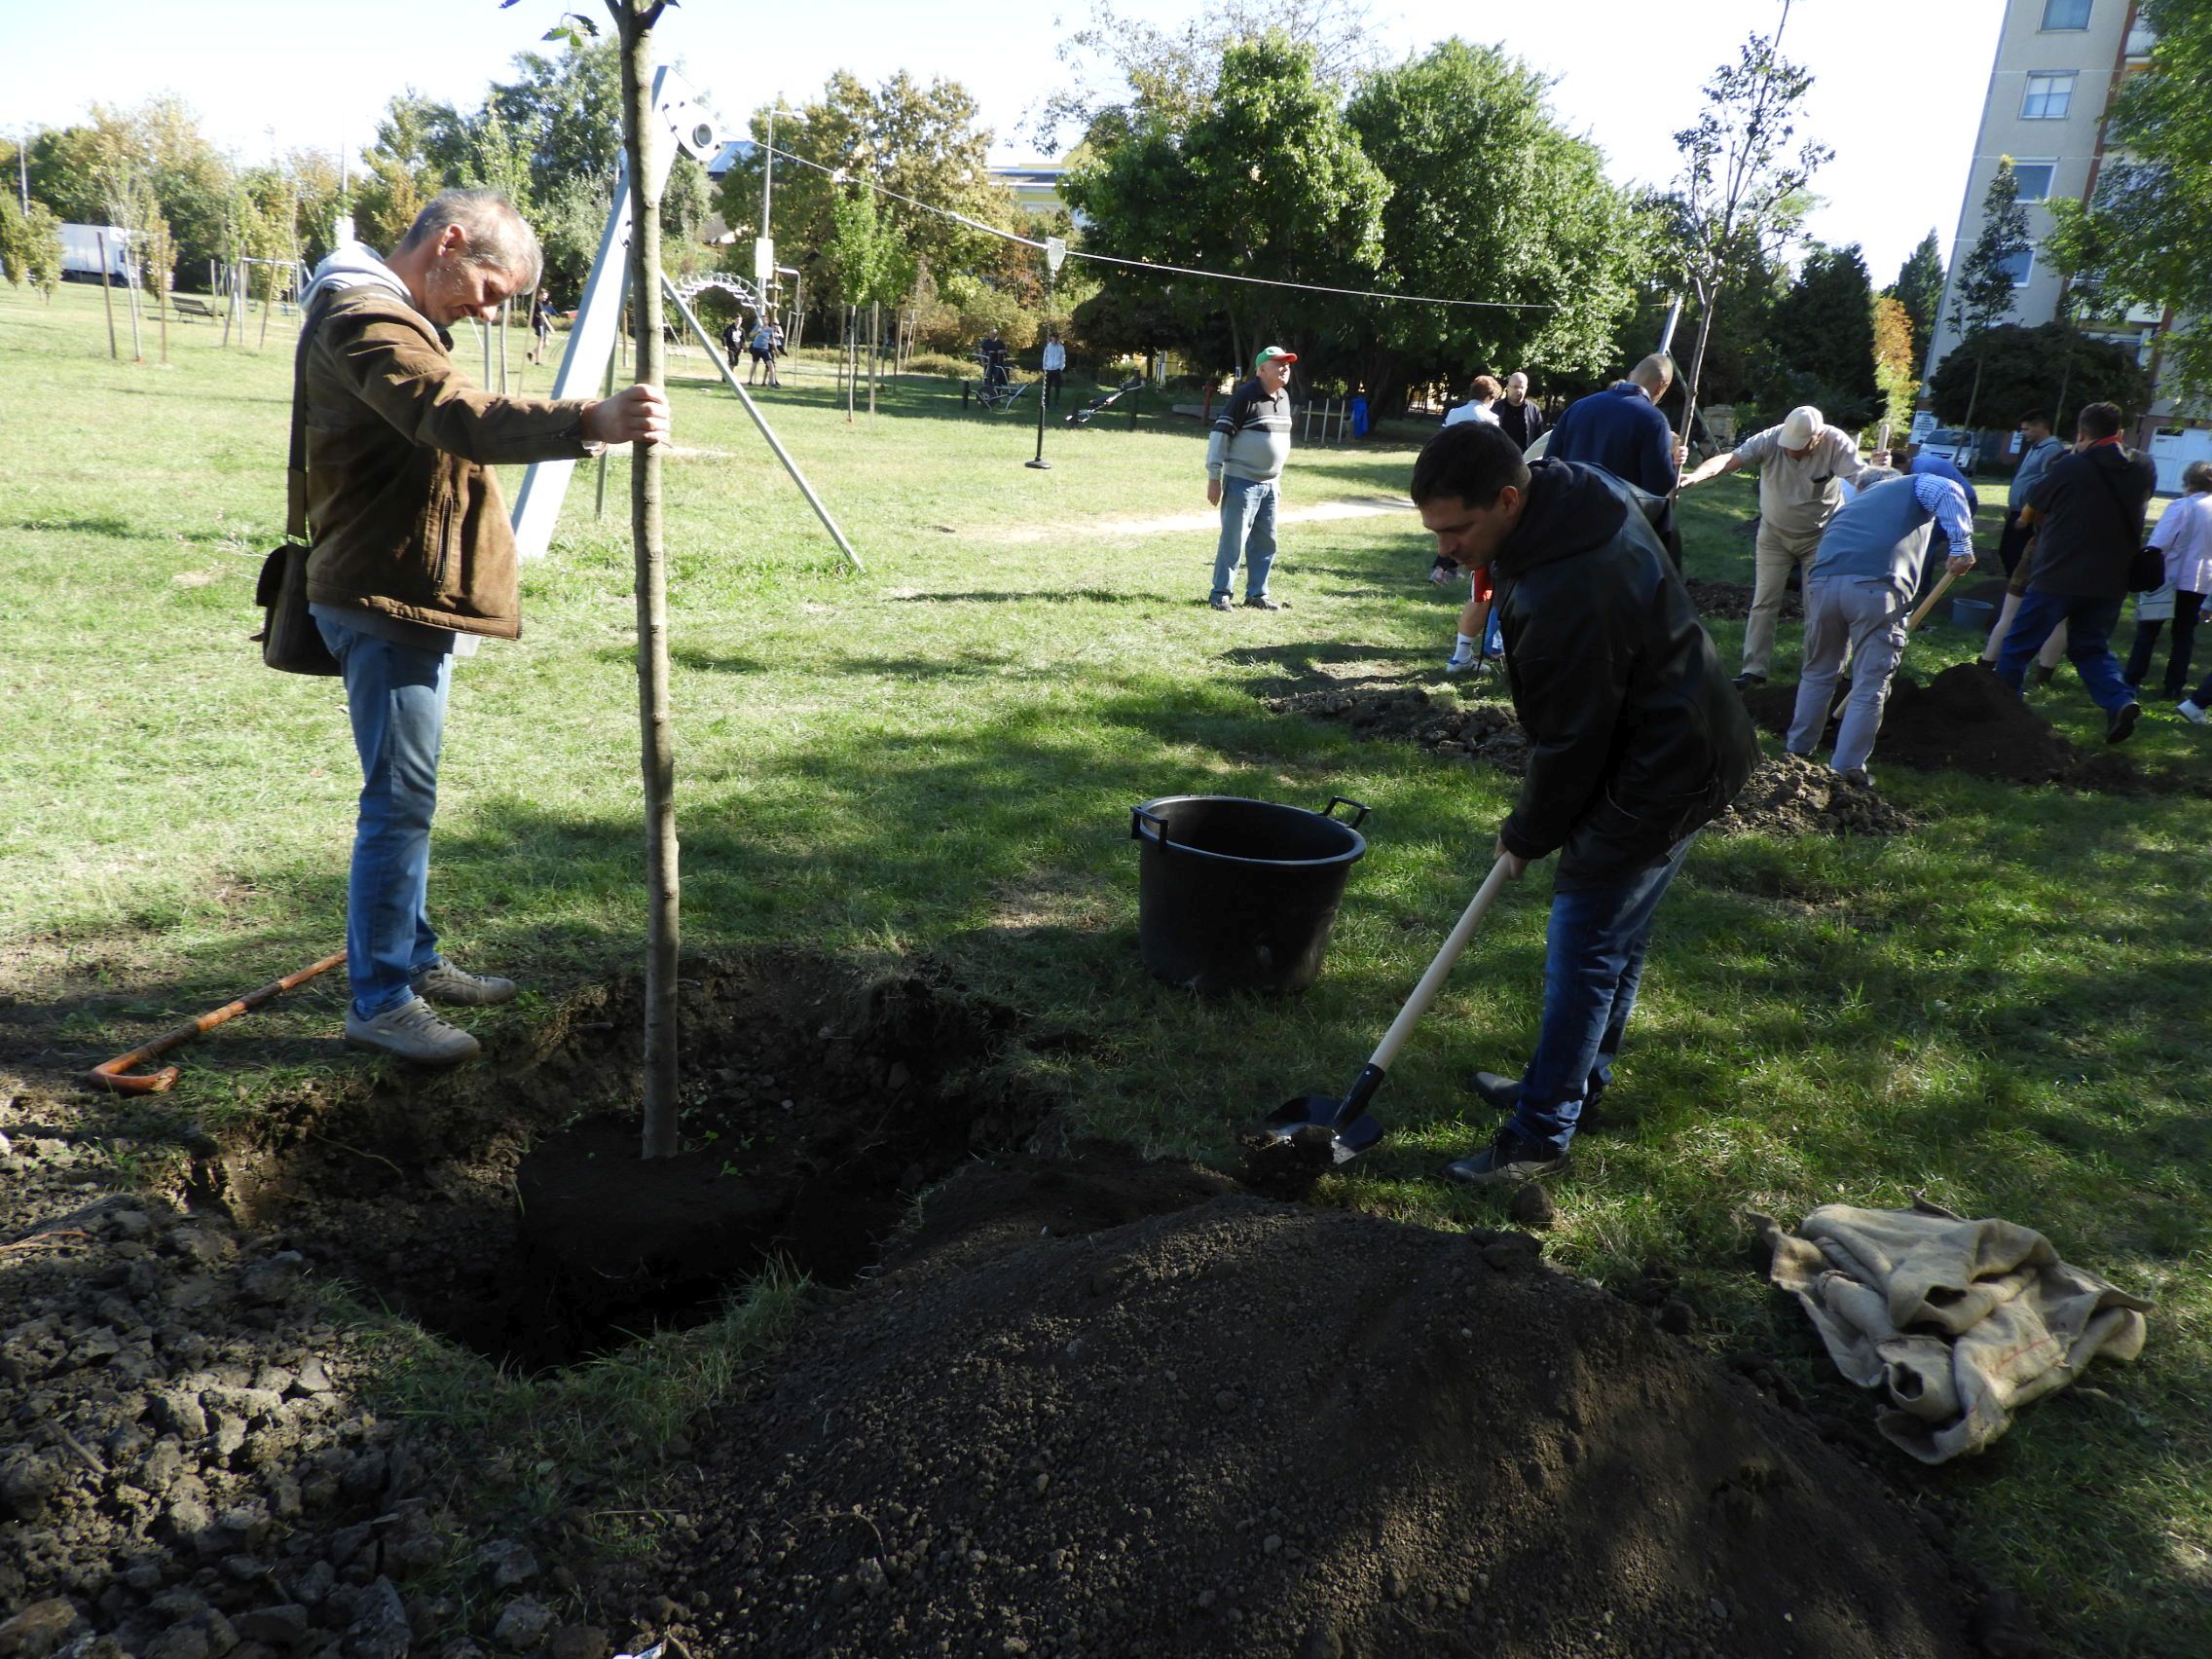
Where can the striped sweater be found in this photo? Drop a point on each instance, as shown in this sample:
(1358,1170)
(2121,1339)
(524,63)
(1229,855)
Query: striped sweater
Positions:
(1251,435)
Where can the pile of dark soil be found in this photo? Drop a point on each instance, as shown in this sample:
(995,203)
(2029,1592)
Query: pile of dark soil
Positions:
(1964,720)
(1250,1428)
(1445,724)
(1733,600)
(1788,794)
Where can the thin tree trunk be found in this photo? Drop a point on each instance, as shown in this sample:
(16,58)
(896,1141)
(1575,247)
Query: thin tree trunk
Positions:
(163,298)
(1974,397)
(852,365)
(1697,366)
(107,295)
(663,937)
(268,304)
(874,350)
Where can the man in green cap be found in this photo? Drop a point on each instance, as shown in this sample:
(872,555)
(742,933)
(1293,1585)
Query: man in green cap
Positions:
(1244,457)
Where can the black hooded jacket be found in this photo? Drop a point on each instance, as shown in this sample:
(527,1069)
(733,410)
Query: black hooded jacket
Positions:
(1635,735)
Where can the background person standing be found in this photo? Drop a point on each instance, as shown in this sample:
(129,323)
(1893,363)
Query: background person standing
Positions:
(1802,464)
(2037,450)
(1481,396)
(1523,421)
(1054,363)
(1245,454)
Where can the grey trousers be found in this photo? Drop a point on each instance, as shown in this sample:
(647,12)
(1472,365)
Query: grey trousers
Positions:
(1845,614)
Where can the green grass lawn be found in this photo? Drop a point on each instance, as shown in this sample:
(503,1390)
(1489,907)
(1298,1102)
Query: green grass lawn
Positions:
(2002,1012)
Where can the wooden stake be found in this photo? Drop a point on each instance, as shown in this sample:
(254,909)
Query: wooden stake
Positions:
(663,934)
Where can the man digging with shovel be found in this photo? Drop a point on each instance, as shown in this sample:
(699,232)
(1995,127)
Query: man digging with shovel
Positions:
(1637,740)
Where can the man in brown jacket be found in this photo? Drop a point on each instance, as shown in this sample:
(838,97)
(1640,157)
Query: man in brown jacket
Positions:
(412,550)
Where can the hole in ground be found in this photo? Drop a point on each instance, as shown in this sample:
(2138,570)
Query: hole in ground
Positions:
(510,1211)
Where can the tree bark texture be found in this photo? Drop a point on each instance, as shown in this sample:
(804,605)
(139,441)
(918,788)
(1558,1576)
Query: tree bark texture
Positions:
(663,935)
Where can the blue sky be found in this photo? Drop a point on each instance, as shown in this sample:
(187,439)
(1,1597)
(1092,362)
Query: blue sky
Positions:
(1897,96)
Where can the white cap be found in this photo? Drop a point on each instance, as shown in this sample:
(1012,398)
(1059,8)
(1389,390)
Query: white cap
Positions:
(1800,426)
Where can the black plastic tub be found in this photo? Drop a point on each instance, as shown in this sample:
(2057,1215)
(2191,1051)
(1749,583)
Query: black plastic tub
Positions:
(1236,895)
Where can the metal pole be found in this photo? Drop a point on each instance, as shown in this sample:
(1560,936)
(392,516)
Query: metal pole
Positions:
(768,168)
(1667,334)
(599,502)
(737,386)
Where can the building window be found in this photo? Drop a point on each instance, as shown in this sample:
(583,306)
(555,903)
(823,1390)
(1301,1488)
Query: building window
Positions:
(2047,98)
(2034,179)
(2065,13)
(2019,267)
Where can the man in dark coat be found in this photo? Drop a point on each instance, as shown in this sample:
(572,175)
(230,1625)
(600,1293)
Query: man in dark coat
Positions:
(1621,430)
(2087,511)
(1637,740)
(1523,421)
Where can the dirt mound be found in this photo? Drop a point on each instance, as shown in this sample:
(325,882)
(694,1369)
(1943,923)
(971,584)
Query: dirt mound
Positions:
(1483,732)
(1788,794)
(1964,720)
(1256,1428)
(1733,600)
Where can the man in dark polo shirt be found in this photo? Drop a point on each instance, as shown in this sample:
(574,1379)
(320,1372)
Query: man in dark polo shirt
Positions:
(2087,514)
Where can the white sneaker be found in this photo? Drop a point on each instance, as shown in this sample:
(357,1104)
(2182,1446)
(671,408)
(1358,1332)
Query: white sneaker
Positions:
(2188,711)
(1458,664)
(412,1032)
(456,987)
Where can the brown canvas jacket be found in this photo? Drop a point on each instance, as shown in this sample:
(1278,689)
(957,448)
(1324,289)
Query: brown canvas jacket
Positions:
(405,514)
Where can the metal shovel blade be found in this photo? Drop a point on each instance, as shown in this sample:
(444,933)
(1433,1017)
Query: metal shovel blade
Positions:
(1311,1123)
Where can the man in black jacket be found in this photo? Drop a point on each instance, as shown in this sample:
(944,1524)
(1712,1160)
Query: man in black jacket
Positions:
(1636,742)
(1523,421)
(2087,511)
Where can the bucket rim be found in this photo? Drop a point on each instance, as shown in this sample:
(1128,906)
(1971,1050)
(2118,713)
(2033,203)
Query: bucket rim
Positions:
(1145,832)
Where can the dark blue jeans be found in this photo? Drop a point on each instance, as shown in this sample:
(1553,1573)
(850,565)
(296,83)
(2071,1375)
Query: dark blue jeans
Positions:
(2089,623)
(397,696)
(1593,959)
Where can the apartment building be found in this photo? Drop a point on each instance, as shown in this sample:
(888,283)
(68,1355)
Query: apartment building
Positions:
(2058,63)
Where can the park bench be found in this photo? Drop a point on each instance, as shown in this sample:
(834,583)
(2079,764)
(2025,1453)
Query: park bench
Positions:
(191,306)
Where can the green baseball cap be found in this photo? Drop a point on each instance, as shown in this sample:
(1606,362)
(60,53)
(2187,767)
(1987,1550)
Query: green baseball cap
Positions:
(1271,354)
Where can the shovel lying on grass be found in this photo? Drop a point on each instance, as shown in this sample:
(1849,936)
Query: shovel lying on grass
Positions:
(1312,1122)
(1919,615)
(116,1074)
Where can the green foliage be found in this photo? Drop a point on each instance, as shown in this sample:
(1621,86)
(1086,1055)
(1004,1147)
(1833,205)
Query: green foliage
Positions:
(1981,292)
(1269,178)
(920,141)
(1743,189)
(1824,336)
(1552,232)
(2146,234)
(30,244)
(2029,368)
(1919,287)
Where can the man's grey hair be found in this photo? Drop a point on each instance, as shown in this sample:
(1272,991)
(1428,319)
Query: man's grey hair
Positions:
(498,236)
(1655,374)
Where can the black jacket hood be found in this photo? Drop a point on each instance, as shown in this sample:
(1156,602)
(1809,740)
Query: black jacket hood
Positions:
(1563,515)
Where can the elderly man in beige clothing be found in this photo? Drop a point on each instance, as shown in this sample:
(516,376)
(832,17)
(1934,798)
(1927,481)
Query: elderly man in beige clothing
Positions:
(1802,464)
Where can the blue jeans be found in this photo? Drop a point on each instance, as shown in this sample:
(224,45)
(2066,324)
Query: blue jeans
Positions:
(1247,528)
(397,697)
(2089,623)
(1593,959)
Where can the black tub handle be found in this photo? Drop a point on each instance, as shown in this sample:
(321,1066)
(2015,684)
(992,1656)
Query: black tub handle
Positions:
(1140,817)
(1335,801)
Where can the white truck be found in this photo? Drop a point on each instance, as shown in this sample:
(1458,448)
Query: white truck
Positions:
(81,252)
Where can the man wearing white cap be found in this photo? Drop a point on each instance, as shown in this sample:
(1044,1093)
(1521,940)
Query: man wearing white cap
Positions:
(1802,465)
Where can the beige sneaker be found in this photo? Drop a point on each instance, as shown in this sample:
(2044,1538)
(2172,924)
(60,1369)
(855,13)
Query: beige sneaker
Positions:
(457,988)
(412,1032)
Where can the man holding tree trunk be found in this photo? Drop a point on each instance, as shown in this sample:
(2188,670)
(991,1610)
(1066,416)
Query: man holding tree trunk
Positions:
(410,551)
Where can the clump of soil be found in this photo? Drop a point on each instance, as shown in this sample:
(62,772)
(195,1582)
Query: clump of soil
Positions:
(1250,1428)
(1966,720)
(1788,794)
(1733,600)
(1473,731)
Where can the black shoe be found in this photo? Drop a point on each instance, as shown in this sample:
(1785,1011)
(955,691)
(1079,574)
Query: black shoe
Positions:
(1747,680)
(1260,602)
(1498,1091)
(2122,725)
(1507,1160)
(2041,676)
(1858,775)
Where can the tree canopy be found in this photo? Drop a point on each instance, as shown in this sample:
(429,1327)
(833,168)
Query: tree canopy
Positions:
(1919,287)
(1824,334)
(2020,369)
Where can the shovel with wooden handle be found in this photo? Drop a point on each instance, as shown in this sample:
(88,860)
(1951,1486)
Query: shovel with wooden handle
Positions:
(1918,616)
(117,1076)
(1346,1121)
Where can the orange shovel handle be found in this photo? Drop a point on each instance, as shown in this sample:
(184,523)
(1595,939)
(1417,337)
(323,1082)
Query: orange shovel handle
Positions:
(116,1075)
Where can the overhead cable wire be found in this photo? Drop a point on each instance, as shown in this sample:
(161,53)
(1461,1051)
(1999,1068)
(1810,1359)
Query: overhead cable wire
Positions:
(842,177)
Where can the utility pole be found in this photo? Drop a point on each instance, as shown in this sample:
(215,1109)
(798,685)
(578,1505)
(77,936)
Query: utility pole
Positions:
(1055,252)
